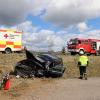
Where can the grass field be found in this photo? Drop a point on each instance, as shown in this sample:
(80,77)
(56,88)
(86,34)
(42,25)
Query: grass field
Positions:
(8,61)
(93,70)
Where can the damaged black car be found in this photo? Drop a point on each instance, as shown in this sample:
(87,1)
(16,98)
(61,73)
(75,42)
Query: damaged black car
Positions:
(39,66)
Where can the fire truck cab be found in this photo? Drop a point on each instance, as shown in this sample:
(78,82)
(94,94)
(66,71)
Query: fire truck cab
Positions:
(89,46)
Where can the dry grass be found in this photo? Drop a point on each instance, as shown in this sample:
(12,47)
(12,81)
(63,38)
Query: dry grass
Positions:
(8,61)
(93,70)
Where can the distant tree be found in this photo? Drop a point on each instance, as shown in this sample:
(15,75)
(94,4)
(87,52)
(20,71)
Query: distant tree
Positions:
(63,50)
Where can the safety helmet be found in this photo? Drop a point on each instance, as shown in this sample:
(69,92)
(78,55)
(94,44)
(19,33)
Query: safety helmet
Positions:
(81,52)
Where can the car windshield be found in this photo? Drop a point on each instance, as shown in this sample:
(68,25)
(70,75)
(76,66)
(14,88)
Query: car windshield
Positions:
(73,41)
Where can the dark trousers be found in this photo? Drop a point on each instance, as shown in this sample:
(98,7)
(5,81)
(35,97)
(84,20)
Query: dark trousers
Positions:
(82,70)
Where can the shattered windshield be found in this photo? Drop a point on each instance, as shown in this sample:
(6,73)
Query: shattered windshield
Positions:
(73,41)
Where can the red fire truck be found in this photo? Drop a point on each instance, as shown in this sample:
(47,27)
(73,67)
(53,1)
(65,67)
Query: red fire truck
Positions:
(89,46)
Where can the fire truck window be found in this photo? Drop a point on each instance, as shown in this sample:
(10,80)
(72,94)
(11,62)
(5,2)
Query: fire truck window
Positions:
(86,42)
(82,42)
(73,41)
(79,41)
(91,43)
(94,45)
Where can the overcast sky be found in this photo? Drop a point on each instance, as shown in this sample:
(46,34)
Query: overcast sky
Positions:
(47,23)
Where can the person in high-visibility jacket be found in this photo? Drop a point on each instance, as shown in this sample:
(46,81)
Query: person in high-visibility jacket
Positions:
(82,64)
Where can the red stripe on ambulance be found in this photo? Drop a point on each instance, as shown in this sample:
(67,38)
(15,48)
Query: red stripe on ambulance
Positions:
(2,45)
(17,46)
(3,30)
(9,43)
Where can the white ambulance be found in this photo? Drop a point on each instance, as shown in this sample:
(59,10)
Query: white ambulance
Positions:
(10,40)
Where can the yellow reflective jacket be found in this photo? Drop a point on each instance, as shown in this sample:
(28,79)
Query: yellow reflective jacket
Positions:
(83,60)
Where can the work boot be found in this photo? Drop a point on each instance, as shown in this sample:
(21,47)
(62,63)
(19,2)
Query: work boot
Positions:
(85,76)
(80,77)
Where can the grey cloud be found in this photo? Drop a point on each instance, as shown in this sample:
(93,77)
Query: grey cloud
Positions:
(60,12)
(15,11)
(68,12)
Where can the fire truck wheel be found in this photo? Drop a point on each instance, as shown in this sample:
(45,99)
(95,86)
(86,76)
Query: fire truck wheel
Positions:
(8,51)
(73,53)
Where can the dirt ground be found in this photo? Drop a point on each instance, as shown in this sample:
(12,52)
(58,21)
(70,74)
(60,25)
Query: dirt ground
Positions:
(53,89)
(68,87)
